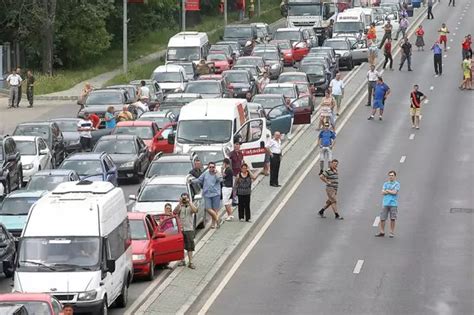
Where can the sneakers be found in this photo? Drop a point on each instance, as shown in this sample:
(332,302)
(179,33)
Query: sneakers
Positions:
(321,213)
(338,217)
(230,218)
(241,220)
(380,234)
(391,235)
(380,118)
(191,266)
(371,117)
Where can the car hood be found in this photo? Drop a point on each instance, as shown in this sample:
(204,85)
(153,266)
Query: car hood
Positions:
(341,52)
(139,246)
(94,178)
(153,207)
(56,282)
(13,222)
(221,63)
(99,108)
(122,158)
(28,159)
(240,85)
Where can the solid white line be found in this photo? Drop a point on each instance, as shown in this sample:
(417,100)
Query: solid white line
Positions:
(412,136)
(402,160)
(431,88)
(376,221)
(358,266)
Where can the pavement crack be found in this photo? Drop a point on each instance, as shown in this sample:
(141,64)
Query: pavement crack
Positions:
(378,288)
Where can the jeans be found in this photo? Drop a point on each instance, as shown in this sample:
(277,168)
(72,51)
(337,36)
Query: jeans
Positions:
(430,12)
(388,57)
(402,30)
(408,59)
(29,94)
(13,96)
(325,156)
(370,90)
(438,63)
(18,99)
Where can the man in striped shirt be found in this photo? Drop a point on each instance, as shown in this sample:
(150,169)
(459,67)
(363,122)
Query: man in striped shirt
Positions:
(331,178)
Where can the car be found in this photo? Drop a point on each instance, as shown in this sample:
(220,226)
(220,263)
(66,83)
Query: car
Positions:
(290,77)
(130,88)
(256,110)
(251,61)
(210,153)
(255,71)
(223,48)
(273,61)
(294,35)
(331,53)
(305,89)
(175,101)
(282,120)
(342,47)
(241,33)
(263,31)
(189,68)
(220,61)
(11,170)
(146,130)
(359,50)
(208,88)
(156,94)
(49,179)
(7,251)
(319,76)
(269,101)
(159,190)
(289,90)
(234,45)
(128,152)
(318,58)
(171,78)
(34,303)
(288,52)
(240,82)
(92,166)
(161,139)
(332,66)
(15,208)
(100,99)
(155,241)
(168,165)
(13,309)
(161,117)
(35,155)
(264,47)
(50,132)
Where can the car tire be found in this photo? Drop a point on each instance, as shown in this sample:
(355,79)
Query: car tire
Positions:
(122,300)
(151,274)
(103,307)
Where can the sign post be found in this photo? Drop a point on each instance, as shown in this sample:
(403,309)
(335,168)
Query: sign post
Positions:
(125,39)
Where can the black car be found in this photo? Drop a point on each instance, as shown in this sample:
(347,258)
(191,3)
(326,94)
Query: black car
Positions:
(50,132)
(7,250)
(240,83)
(318,75)
(11,172)
(128,152)
(241,33)
(100,99)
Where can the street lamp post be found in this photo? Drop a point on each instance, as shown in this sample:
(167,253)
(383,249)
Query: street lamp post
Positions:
(125,46)
(225,12)
(183,15)
(258,7)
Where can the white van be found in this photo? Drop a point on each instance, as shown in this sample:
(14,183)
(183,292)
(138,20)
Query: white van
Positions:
(171,78)
(371,15)
(76,246)
(187,46)
(350,23)
(219,122)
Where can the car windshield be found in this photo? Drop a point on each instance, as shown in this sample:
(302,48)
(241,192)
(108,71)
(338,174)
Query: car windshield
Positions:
(216,57)
(286,91)
(293,36)
(144,132)
(337,44)
(188,67)
(167,77)
(67,125)
(267,102)
(204,131)
(59,253)
(17,206)
(348,27)
(26,147)
(32,130)
(237,77)
(298,10)
(116,146)
(138,230)
(237,32)
(183,54)
(162,192)
(210,156)
(313,69)
(46,182)
(160,121)
(203,87)
(252,70)
(267,55)
(83,167)
(291,78)
(104,98)
(169,168)
(302,88)
(33,307)
(262,31)
(250,61)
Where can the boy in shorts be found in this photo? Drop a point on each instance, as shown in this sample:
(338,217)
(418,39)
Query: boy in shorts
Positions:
(416,98)
(390,204)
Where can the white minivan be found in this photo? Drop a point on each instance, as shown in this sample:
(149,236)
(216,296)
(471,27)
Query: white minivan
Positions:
(350,23)
(171,78)
(187,46)
(76,246)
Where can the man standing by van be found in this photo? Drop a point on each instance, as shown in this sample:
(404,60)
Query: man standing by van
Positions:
(185,210)
(210,182)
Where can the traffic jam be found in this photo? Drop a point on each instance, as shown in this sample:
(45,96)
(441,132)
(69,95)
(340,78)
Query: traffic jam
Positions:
(68,233)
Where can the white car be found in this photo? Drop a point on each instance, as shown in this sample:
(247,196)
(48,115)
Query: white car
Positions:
(211,153)
(289,90)
(35,155)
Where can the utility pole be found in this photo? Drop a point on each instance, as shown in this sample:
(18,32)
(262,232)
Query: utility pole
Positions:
(225,12)
(258,8)
(183,15)
(125,45)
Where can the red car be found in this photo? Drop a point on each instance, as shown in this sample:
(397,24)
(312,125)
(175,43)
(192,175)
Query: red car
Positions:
(35,303)
(161,138)
(155,241)
(286,50)
(147,130)
(221,61)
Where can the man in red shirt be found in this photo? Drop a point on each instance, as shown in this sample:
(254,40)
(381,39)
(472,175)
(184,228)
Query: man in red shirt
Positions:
(236,158)
(95,120)
(466,46)
(387,51)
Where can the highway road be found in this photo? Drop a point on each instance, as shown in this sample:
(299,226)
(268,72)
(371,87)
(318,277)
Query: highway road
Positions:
(304,264)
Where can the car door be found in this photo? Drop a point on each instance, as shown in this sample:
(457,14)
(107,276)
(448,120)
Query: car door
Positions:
(171,246)
(302,113)
(360,51)
(252,136)
(280,119)
(45,158)
(12,156)
(161,140)
(111,170)
(143,155)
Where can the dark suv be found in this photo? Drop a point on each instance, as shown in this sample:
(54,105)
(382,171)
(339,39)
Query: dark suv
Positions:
(11,173)
(241,33)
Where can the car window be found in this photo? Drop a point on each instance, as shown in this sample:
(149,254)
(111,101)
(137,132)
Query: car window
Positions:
(106,165)
(42,144)
(8,147)
(149,226)
(56,306)
(169,226)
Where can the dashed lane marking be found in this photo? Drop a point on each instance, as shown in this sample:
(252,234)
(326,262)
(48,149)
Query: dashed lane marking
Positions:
(427,101)
(449,48)
(451,40)
(412,136)
(402,160)
(358,266)
(431,88)
(445,56)
(454,34)
(376,221)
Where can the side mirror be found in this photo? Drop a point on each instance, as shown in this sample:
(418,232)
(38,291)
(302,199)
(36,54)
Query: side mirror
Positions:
(44,152)
(110,265)
(132,197)
(171,138)
(159,235)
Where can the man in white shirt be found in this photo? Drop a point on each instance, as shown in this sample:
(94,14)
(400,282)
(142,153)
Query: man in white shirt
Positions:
(14,81)
(274,149)
(144,91)
(372,76)
(85,127)
(337,90)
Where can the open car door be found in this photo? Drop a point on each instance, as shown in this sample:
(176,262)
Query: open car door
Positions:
(280,119)
(170,245)
(252,136)
(302,110)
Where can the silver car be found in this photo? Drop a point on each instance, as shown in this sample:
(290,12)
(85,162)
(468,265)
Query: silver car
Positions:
(273,61)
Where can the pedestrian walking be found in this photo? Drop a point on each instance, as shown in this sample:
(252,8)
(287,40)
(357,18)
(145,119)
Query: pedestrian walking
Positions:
(372,52)
(240,4)
(227,188)
(109,117)
(326,110)
(326,141)
(387,51)
(390,191)
(331,178)
(420,42)
(186,210)
(466,69)
(372,32)
(337,91)
(197,168)
(430,10)
(381,92)
(372,76)
(466,46)
(236,158)
(406,54)
(416,99)
(437,58)
(453,2)
(210,182)
(387,28)
(402,27)
(30,84)
(85,127)
(20,89)
(274,149)
(251,9)
(243,186)
(443,35)
(14,82)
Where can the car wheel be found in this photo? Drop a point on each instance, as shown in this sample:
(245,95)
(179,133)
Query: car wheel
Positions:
(122,300)
(103,307)
(350,66)
(151,274)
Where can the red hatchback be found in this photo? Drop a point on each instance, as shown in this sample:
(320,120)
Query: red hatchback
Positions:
(35,303)
(161,139)
(147,130)
(286,50)
(221,61)
(155,241)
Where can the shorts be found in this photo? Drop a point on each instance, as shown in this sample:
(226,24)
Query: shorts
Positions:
(212,202)
(467,75)
(188,237)
(415,111)
(378,104)
(227,195)
(386,210)
(443,39)
(332,194)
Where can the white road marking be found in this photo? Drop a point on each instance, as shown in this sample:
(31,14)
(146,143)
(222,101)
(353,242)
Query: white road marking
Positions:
(376,221)
(412,136)
(358,266)
(459,23)
(456,28)
(454,34)
(427,101)
(445,56)
(431,88)
(451,40)
(449,48)
(402,160)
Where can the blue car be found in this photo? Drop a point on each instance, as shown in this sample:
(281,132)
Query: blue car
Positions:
(92,166)
(15,208)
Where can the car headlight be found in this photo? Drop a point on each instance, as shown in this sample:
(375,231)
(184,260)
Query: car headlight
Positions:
(87,296)
(128,164)
(28,166)
(346,54)
(138,257)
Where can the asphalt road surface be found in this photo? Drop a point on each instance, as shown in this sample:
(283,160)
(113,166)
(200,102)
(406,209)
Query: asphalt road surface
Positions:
(304,264)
